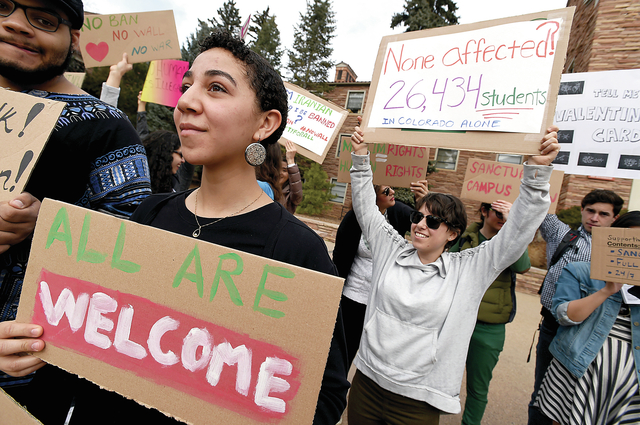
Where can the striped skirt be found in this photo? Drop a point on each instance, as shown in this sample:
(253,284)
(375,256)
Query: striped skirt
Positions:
(607,394)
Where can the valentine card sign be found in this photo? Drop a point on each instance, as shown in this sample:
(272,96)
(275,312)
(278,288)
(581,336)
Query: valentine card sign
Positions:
(174,322)
(144,36)
(163,84)
(489,181)
(483,86)
(27,122)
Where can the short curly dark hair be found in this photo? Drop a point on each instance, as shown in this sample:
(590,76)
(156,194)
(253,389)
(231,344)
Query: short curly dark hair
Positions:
(603,196)
(448,207)
(263,79)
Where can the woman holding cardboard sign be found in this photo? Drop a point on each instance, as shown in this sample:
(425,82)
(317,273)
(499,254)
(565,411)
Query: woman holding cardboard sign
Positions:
(233,104)
(424,300)
(593,378)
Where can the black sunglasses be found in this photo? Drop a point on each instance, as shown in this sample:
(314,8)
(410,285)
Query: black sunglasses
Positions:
(179,153)
(433,221)
(498,214)
(42,19)
(386,191)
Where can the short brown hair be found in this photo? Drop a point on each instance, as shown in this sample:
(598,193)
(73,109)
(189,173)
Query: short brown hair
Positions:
(448,207)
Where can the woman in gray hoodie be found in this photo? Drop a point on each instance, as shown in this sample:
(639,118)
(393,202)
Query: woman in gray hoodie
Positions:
(424,300)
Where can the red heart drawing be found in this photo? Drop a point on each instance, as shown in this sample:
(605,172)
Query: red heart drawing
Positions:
(99,51)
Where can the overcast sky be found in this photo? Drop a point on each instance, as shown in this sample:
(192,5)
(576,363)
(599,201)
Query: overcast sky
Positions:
(360,25)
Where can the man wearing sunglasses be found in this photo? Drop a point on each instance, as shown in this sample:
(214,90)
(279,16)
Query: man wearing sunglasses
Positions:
(497,308)
(599,208)
(93,158)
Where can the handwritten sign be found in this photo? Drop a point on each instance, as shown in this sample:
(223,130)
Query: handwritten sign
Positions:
(312,123)
(495,77)
(25,124)
(75,78)
(164,82)
(393,165)
(598,115)
(144,36)
(489,181)
(615,255)
(188,323)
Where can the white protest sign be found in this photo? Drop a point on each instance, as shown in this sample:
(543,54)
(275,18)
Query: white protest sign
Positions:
(598,114)
(312,123)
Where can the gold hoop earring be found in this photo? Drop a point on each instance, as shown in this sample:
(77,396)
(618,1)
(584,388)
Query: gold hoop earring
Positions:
(255,154)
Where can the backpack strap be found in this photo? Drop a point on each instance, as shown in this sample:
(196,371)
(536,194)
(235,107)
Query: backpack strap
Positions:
(568,241)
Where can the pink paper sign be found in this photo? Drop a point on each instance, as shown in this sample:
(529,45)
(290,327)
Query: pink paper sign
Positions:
(164,82)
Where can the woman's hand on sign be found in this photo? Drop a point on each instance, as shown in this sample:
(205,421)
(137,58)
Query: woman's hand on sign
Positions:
(420,189)
(291,152)
(17,340)
(17,219)
(502,207)
(357,140)
(549,148)
(117,71)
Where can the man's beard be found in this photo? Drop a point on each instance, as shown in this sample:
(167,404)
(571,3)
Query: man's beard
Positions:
(40,75)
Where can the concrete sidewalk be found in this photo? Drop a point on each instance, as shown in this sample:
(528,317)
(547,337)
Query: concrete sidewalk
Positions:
(512,382)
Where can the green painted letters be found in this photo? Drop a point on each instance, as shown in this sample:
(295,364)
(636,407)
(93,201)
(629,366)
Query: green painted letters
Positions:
(61,219)
(226,278)
(274,295)
(116,262)
(194,256)
(90,256)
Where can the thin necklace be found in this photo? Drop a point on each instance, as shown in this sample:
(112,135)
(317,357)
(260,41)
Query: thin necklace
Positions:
(196,232)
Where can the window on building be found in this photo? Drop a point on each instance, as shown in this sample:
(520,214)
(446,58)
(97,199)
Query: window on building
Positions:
(342,139)
(447,159)
(339,75)
(339,191)
(355,101)
(509,158)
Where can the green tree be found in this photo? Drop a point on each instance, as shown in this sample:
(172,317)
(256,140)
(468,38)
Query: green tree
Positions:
(228,20)
(191,48)
(309,61)
(266,38)
(316,191)
(425,14)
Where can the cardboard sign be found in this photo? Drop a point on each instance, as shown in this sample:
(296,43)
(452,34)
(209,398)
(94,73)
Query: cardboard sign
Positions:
(392,165)
(312,123)
(598,114)
(144,36)
(174,322)
(615,255)
(75,78)
(164,82)
(489,181)
(25,125)
(470,83)
(13,413)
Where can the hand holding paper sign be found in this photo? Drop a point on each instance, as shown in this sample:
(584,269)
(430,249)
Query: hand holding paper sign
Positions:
(420,189)
(579,310)
(357,140)
(549,148)
(17,219)
(117,71)
(16,341)
(291,152)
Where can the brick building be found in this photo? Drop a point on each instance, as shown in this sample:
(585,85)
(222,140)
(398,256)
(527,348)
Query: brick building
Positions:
(605,36)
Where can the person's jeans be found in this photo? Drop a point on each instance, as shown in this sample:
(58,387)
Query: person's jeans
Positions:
(548,330)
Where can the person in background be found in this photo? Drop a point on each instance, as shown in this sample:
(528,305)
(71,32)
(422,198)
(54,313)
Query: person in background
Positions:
(593,377)
(424,301)
(165,158)
(91,143)
(290,179)
(352,257)
(599,208)
(498,307)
